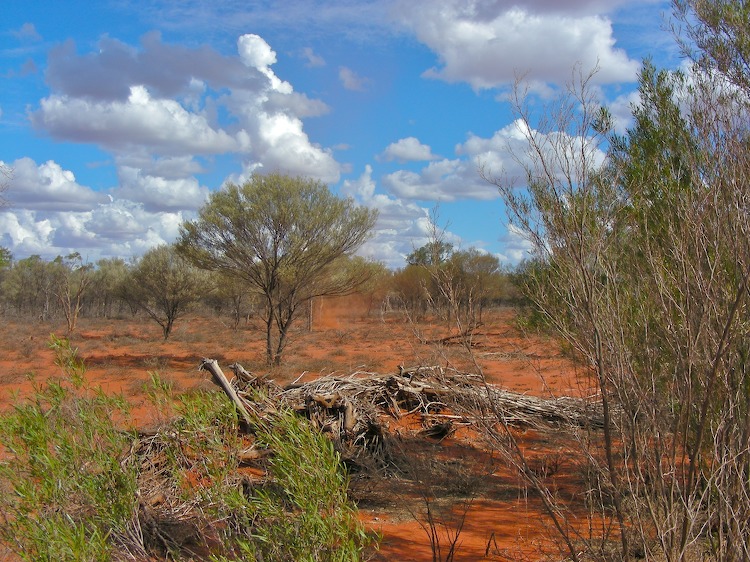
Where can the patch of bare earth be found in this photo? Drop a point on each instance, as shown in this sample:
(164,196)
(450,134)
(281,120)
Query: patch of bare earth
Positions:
(466,485)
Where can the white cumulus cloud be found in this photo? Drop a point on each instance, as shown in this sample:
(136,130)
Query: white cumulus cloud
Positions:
(488,44)
(408,149)
(48,186)
(161,125)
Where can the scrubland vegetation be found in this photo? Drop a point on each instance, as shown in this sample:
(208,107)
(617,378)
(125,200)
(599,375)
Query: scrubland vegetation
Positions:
(640,267)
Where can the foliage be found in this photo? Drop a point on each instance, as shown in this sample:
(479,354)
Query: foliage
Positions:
(231,295)
(303,513)
(29,287)
(104,293)
(310,517)
(448,281)
(434,252)
(66,495)
(642,267)
(6,257)
(73,278)
(75,486)
(719,37)
(164,285)
(284,236)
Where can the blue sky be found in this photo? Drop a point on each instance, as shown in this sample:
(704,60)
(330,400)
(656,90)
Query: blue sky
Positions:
(119,117)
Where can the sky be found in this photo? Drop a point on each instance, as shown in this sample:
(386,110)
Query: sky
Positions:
(118,118)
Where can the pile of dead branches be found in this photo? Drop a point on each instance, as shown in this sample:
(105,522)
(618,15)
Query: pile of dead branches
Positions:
(354,410)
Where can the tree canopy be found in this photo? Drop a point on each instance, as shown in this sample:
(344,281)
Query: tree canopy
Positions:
(285,236)
(164,285)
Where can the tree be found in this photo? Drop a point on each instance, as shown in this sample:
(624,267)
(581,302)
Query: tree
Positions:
(411,287)
(106,281)
(6,257)
(643,268)
(481,279)
(29,287)
(164,285)
(718,33)
(285,236)
(233,295)
(73,278)
(434,252)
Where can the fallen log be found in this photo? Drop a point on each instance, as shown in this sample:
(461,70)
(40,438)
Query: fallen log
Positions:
(351,409)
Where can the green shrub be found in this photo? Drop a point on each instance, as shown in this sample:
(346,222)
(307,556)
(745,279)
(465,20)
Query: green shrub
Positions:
(308,515)
(74,486)
(64,492)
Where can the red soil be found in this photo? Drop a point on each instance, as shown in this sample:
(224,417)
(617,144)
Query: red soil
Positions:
(347,335)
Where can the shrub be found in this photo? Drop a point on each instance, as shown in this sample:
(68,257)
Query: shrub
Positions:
(66,495)
(74,486)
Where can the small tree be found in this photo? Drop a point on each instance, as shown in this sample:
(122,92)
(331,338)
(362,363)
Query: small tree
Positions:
(29,287)
(643,268)
(231,296)
(284,236)
(6,257)
(106,281)
(73,278)
(164,285)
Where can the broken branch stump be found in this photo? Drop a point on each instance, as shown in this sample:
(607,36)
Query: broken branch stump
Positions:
(212,366)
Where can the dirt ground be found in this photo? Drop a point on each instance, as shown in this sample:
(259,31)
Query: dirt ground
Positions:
(501,521)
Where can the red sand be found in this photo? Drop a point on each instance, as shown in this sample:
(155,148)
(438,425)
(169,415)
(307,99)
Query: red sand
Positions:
(347,335)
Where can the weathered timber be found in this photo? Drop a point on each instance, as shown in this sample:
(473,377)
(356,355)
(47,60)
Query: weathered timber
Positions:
(212,366)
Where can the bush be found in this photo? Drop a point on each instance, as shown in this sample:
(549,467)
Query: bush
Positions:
(64,492)
(74,486)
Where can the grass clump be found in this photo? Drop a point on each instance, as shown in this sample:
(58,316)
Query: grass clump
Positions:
(307,515)
(65,492)
(75,486)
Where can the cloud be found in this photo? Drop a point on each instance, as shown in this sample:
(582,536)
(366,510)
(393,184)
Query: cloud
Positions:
(503,155)
(117,228)
(167,71)
(408,149)
(459,178)
(175,101)
(157,193)
(24,234)
(296,104)
(351,81)
(507,152)
(621,109)
(516,247)
(51,214)
(487,44)
(48,186)
(27,32)
(256,53)
(313,60)
(353,20)
(162,125)
(401,227)
(442,180)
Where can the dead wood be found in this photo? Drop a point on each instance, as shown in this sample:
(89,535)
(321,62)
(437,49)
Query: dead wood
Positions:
(353,410)
(466,336)
(212,366)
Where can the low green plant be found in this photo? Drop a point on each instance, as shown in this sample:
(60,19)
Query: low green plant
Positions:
(301,513)
(76,487)
(64,492)
(308,515)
